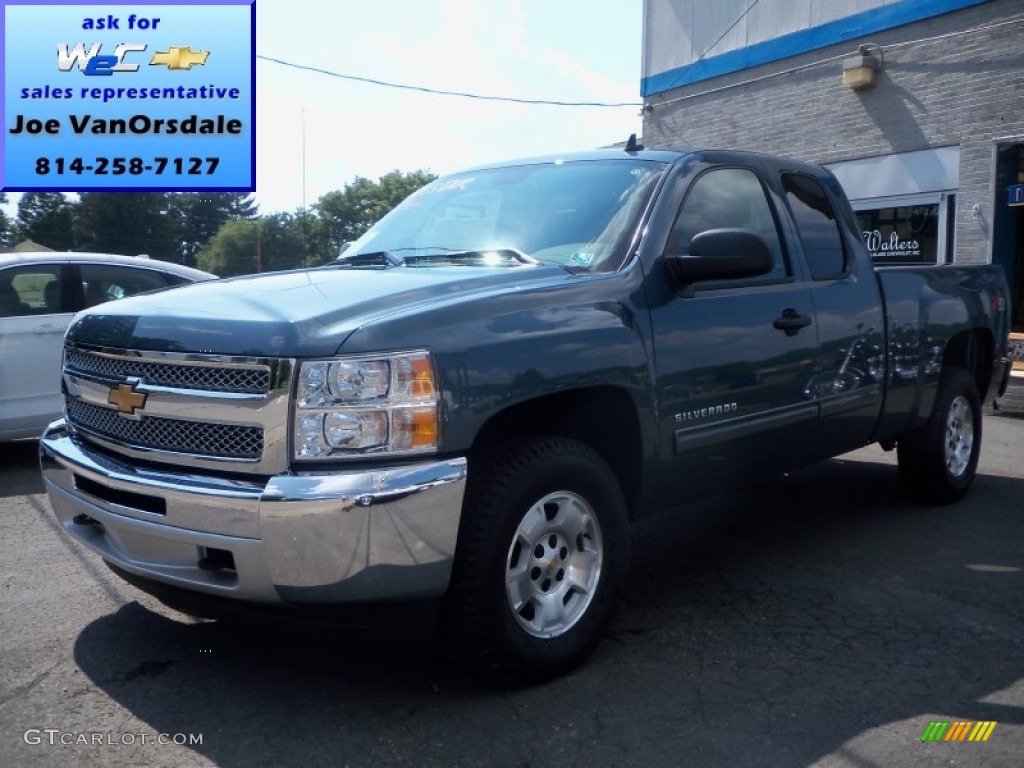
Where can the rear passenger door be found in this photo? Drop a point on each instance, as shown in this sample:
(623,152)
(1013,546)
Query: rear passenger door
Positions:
(732,357)
(850,367)
(35,312)
(99,283)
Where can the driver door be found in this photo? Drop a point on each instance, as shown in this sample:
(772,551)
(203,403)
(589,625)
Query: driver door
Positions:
(733,357)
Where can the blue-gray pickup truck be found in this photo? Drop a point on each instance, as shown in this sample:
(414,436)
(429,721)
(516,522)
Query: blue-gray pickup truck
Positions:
(475,400)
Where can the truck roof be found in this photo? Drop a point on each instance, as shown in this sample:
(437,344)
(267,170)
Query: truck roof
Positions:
(660,155)
(657,155)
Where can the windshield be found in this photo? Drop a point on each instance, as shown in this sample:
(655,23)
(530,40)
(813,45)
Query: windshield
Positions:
(578,214)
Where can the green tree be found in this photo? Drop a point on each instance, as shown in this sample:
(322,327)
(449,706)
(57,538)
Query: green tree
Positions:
(245,246)
(126,222)
(346,214)
(8,227)
(234,250)
(199,215)
(281,241)
(46,218)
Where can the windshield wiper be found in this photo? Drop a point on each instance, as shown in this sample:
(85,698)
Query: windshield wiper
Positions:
(491,257)
(371,260)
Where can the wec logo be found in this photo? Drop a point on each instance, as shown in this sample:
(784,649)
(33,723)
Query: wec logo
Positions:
(94,62)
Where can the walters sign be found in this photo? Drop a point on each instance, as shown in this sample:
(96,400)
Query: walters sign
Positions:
(892,248)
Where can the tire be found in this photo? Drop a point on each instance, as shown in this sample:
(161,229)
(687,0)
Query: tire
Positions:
(938,460)
(543,548)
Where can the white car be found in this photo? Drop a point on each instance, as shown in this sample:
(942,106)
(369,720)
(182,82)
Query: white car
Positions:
(39,294)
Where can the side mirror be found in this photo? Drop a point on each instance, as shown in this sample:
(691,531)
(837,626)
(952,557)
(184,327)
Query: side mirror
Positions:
(721,254)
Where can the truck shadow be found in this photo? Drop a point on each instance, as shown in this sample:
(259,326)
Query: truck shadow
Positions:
(771,626)
(20,460)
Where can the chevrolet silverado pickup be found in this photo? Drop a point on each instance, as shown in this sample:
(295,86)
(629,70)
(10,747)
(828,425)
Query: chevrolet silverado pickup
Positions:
(472,404)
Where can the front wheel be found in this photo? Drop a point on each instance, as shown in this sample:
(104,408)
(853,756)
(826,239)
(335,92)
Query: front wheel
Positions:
(938,460)
(543,547)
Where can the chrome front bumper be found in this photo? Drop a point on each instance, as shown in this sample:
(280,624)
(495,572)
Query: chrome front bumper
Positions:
(341,537)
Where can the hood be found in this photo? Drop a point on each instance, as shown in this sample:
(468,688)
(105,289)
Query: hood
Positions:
(288,314)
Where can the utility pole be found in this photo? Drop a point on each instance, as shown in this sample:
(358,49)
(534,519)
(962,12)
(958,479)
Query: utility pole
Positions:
(302,223)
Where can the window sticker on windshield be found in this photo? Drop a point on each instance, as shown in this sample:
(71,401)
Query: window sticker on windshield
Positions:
(451,185)
(581,259)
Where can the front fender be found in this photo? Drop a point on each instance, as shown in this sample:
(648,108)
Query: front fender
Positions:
(499,349)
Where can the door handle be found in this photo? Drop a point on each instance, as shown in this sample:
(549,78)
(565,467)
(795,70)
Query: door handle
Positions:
(48,328)
(791,321)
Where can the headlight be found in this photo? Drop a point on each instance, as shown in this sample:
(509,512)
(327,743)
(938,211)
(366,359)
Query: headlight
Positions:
(353,406)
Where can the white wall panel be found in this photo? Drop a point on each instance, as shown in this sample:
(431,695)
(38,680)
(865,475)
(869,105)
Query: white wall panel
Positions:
(678,32)
(768,20)
(711,20)
(824,11)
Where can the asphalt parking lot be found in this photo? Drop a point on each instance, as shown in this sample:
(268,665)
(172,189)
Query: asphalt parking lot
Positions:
(820,619)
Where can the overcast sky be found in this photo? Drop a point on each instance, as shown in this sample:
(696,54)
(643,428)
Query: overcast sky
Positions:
(562,50)
(559,50)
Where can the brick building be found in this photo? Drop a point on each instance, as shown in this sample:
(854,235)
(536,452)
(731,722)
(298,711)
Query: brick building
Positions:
(916,105)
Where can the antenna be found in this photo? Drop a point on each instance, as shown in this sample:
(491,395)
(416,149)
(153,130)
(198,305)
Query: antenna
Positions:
(632,145)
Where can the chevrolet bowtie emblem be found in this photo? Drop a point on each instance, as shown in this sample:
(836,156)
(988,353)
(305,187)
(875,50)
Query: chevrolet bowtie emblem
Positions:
(179,57)
(126,398)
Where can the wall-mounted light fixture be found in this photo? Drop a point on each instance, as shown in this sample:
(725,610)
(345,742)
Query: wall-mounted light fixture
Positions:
(859,70)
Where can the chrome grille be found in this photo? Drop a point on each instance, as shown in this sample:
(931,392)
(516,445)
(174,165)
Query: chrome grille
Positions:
(230,441)
(210,378)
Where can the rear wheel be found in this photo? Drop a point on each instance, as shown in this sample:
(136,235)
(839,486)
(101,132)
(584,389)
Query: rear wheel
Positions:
(938,460)
(543,547)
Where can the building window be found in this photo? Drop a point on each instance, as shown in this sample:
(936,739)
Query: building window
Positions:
(908,229)
(901,234)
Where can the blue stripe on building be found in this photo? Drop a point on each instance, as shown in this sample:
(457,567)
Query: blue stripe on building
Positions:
(849,28)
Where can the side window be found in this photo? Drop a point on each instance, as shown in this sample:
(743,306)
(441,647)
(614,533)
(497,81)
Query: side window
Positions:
(170,279)
(31,290)
(817,225)
(728,198)
(106,282)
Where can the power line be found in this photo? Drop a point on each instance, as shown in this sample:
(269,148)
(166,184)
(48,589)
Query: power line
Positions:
(719,39)
(442,92)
